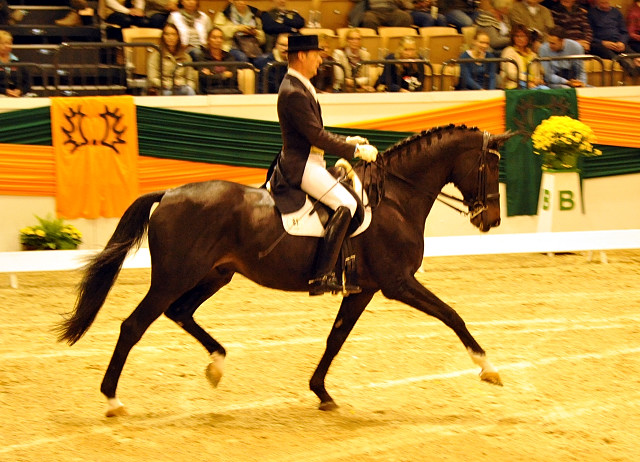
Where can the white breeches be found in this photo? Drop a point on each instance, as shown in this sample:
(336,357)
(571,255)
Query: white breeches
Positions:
(321,185)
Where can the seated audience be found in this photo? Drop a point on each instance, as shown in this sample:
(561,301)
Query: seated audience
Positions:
(422,17)
(610,36)
(562,73)
(353,78)
(280,20)
(402,77)
(73,19)
(116,12)
(14,81)
(217,79)
(193,26)
(532,15)
(323,81)
(240,22)
(526,75)
(495,22)
(393,13)
(274,74)
(633,27)
(478,75)
(175,80)
(572,18)
(157,11)
(460,13)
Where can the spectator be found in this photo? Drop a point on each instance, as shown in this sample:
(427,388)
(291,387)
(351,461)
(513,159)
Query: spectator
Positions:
(610,36)
(495,23)
(175,80)
(193,26)
(217,79)
(73,19)
(402,77)
(9,16)
(572,18)
(532,15)
(633,26)
(460,13)
(526,75)
(562,73)
(14,81)
(157,11)
(116,12)
(324,79)
(478,75)
(422,17)
(274,74)
(352,79)
(279,20)
(393,13)
(238,18)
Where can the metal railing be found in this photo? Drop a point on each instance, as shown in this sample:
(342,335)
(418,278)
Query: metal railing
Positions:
(382,62)
(458,61)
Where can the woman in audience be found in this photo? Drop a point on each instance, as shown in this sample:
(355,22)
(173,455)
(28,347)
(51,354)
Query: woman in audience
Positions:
(478,75)
(14,81)
(175,80)
(402,77)
(496,24)
(239,22)
(520,51)
(217,79)
(193,26)
(353,78)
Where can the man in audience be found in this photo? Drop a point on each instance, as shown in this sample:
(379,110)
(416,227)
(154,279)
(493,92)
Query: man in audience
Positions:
(531,14)
(393,13)
(571,17)
(73,19)
(562,73)
(460,13)
(157,11)
(280,20)
(275,74)
(610,36)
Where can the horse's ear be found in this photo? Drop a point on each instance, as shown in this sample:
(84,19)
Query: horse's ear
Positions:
(496,141)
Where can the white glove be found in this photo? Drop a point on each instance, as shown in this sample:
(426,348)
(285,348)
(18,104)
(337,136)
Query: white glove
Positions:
(366,152)
(355,140)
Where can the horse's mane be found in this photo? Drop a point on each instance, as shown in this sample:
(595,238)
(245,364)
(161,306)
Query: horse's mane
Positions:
(375,173)
(429,136)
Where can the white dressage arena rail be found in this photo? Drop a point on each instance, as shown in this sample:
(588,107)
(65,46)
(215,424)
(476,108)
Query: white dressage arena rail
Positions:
(484,244)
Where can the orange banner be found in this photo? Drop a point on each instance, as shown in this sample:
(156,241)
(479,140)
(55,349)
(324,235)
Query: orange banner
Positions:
(95,142)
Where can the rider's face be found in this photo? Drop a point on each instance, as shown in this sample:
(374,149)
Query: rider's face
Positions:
(310,61)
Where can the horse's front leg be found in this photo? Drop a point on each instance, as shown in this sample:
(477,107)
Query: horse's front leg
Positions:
(350,311)
(410,291)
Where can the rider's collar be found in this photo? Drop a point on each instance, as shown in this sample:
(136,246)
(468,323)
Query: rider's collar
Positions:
(305,81)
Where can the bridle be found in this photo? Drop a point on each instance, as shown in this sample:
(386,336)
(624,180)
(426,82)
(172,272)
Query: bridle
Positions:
(478,203)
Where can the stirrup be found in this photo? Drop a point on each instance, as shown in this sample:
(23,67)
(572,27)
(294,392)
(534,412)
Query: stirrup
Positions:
(326,283)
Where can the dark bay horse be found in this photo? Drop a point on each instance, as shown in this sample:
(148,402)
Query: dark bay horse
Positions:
(201,234)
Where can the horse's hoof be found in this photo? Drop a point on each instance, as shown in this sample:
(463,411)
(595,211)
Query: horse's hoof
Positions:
(491,377)
(117,411)
(214,374)
(328,406)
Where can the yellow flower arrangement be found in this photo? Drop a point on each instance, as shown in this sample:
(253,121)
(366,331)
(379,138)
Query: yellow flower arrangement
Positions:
(561,141)
(50,235)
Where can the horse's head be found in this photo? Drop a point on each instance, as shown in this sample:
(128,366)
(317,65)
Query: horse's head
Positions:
(477,179)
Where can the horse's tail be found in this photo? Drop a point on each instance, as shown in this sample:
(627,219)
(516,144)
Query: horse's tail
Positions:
(102,270)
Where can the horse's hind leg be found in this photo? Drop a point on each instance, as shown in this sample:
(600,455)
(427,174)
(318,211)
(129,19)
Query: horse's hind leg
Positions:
(131,330)
(181,312)
(350,311)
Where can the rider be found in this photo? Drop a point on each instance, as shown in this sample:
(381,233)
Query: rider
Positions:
(300,166)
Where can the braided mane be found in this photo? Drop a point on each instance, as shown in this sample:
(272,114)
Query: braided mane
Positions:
(427,136)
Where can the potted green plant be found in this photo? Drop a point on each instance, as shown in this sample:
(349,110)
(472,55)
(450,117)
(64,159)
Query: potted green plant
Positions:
(50,234)
(561,141)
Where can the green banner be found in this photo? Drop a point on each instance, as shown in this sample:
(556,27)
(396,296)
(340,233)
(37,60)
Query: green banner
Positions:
(525,109)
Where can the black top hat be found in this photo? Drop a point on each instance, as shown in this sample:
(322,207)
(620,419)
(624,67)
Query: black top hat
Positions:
(303,43)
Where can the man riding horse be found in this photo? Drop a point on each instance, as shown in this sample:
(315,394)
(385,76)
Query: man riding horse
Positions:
(300,167)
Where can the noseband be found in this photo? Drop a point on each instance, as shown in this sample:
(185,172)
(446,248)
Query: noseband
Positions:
(478,203)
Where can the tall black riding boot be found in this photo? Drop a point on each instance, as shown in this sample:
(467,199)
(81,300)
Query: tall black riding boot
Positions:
(324,279)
